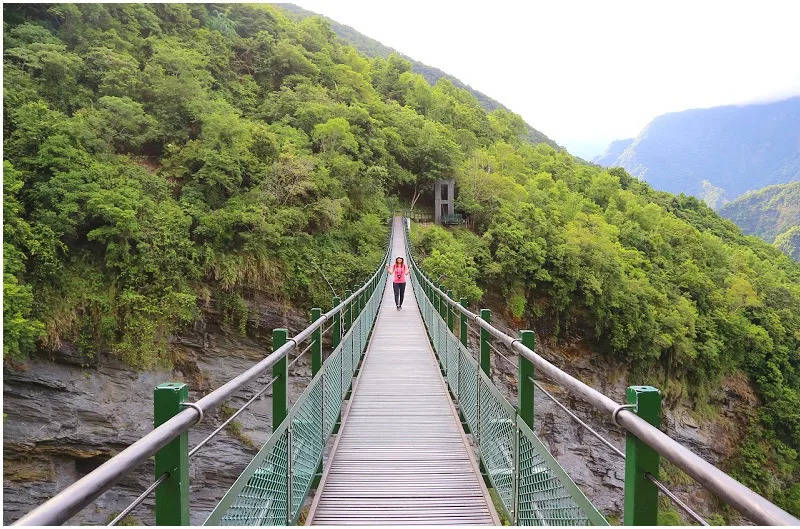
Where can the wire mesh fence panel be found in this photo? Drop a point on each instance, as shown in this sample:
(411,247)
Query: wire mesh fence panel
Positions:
(306,444)
(497,431)
(546,495)
(332,405)
(262,498)
(347,366)
(468,388)
(452,365)
(354,351)
(442,330)
(521,470)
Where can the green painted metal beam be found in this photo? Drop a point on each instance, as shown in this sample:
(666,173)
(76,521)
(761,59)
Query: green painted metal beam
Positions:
(486,360)
(526,372)
(348,312)
(172,496)
(450,313)
(464,325)
(336,330)
(280,371)
(316,337)
(641,495)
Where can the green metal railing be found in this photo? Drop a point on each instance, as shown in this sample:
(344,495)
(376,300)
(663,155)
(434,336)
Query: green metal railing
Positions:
(273,487)
(452,219)
(532,487)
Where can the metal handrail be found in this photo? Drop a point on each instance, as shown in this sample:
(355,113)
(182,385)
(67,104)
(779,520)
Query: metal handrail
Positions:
(751,505)
(606,442)
(81,493)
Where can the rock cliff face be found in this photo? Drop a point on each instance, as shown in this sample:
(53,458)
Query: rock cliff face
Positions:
(65,416)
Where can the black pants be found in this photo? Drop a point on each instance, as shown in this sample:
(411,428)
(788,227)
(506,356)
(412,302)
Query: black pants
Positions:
(399,291)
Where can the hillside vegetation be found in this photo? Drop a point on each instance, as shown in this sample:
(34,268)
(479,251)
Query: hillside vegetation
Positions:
(767,212)
(160,157)
(789,242)
(658,281)
(372,48)
(715,153)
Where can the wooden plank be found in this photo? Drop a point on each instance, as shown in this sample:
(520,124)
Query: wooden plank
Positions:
(401,456)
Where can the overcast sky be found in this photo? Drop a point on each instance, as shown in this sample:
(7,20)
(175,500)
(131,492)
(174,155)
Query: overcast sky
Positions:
(586,73)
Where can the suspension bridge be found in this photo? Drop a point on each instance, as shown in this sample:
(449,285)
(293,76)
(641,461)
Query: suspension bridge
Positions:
(416,430)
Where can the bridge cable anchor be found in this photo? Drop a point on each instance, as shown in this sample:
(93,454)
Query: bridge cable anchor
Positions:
(619,409)
(196,407)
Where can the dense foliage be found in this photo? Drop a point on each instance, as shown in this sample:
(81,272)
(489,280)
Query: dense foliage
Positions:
(162,157)
(766,212)
(656,280)
(789,242)
(372,48)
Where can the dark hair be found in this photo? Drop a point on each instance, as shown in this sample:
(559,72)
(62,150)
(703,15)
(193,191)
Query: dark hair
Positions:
(398,257)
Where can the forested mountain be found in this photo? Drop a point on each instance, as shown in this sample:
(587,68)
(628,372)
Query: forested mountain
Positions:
(158,156)
(766,212)
(772,213)
(162,157)
(372,48)
(715,153)
(789,242)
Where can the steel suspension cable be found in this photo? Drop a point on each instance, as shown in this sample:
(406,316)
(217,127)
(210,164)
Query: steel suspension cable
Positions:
(660,486)
(213,434)
(139,499)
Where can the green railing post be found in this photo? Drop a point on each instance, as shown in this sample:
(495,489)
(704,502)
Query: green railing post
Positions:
(641,495)
(336,330)
(525,376)
(442,304)
(316,349)
(348,312)
(280,371)
(450,313)
(172,496)
(486,361)
(464,328)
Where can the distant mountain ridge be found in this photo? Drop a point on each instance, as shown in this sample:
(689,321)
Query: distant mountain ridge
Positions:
(715,153)
(372,48)
(767,212)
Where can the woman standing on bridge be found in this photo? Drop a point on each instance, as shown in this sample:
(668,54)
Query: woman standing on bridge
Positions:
(399,271)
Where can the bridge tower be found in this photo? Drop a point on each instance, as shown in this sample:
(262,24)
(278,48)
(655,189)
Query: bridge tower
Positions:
(444,199)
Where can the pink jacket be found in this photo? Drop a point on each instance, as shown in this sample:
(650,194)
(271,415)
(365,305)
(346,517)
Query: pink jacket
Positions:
(398,273)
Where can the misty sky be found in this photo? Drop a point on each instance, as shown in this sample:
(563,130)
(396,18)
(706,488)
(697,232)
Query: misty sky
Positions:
(586,73)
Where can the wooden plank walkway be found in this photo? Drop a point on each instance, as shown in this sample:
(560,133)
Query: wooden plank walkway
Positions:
(401,456)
